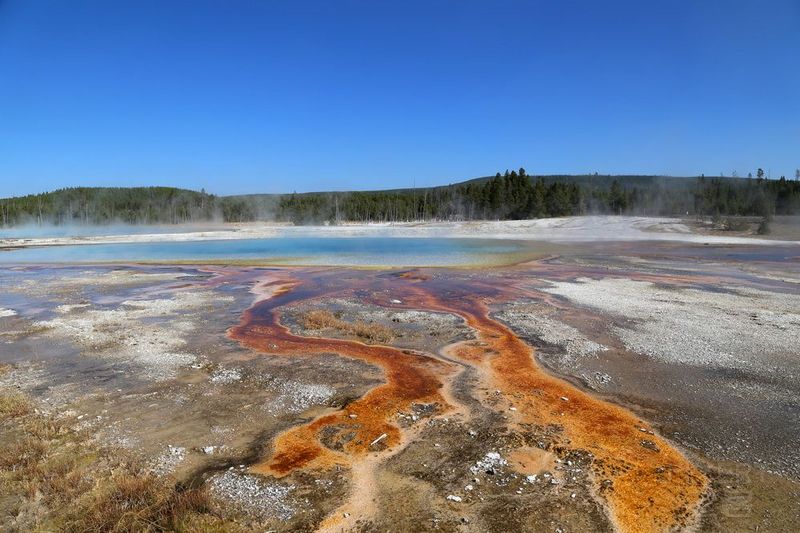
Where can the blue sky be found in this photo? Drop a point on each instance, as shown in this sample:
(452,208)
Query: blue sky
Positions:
(261,96)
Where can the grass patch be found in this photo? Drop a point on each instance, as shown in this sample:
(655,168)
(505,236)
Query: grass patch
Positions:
(369,331)
(143,502)
(13,406)
(56,478)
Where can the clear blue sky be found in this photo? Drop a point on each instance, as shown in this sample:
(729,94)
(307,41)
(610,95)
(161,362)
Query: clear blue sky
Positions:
(263,96)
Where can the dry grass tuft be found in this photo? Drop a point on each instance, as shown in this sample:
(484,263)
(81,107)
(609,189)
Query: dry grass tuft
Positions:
(57,479)
(369,331)
(13,406)
(142,503)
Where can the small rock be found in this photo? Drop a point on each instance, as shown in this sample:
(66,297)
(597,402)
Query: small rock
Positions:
(454,498)
(649,444)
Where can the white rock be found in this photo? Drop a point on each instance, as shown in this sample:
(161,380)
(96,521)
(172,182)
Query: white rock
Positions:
(491,461)
(225,376)
(253,494)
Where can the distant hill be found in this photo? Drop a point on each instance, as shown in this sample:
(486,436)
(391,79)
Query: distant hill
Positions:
(97,205)
(512,195)
(516,195)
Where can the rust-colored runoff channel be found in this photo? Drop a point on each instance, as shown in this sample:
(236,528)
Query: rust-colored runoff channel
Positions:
(648,485)
(411,378)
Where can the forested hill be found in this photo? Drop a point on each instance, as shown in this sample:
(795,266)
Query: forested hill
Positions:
(99,205)
(511,195)
(516,195)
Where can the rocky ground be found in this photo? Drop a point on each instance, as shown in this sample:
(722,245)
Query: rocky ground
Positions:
(140,360)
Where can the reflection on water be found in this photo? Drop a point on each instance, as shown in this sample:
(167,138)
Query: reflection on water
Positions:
(295,250)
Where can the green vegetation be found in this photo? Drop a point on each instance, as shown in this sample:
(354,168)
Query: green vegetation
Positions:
(87,205)
(515,195)
(512,195)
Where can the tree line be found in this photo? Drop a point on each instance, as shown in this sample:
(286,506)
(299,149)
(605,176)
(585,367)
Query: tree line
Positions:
(516,195)
(127,205)
(511,195)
